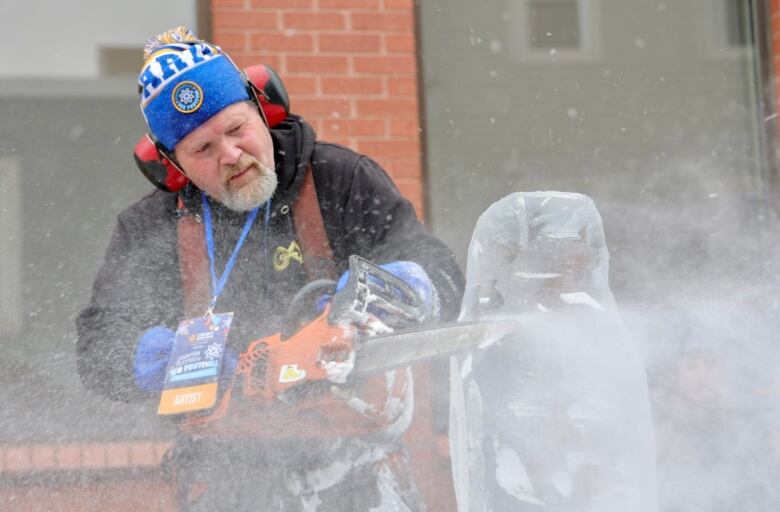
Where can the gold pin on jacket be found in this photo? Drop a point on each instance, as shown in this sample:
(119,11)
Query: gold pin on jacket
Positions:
(283,256)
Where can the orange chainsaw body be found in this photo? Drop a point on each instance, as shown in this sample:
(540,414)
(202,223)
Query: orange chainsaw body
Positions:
(281,389)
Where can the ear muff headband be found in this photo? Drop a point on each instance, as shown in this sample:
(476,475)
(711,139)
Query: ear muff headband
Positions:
(268,92)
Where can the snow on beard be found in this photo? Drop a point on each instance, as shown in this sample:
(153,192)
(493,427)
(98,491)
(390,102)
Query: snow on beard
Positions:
(252,194)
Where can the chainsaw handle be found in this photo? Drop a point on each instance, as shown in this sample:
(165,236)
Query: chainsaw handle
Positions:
(302,308)
(368,283)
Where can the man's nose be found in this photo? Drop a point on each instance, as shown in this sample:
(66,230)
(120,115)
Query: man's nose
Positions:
(229,153)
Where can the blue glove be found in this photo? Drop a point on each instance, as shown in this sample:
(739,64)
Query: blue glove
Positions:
(152,354)
(151,358)
(413,275)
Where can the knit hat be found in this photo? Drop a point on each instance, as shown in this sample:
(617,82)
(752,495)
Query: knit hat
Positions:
(183,82)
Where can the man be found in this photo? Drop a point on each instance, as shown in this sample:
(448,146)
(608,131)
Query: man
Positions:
(244,182)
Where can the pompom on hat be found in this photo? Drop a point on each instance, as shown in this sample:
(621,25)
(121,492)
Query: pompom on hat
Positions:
(183,83)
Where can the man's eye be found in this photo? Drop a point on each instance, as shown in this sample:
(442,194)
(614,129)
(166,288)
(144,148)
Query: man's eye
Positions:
(202,148)
(235,129)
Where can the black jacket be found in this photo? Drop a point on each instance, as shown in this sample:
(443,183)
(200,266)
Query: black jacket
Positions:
(139,283)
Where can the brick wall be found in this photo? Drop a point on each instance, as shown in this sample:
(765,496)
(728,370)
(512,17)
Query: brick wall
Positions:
(117,476)
(349,66)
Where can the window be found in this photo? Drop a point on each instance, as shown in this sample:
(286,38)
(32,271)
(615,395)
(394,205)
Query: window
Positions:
(554,25)
(554,30)
(728,28)
(737,23)
(10,246)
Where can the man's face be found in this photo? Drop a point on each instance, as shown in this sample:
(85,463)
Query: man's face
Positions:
(231,157)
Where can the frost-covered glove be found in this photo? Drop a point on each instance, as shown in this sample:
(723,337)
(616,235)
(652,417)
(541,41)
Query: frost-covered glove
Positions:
(413,275)
(151,358)
(152,354)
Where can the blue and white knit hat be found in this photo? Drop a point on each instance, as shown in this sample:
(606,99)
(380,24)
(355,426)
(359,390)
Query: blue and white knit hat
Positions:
(185,81)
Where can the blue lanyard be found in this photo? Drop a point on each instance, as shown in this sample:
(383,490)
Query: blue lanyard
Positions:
(217,285)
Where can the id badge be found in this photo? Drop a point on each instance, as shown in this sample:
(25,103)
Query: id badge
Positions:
(192,376)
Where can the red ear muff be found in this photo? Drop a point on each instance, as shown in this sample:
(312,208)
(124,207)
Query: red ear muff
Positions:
(156,167)
(272,95)
(274,103)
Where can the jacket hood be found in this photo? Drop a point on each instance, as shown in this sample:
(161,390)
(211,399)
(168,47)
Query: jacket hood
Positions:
(293,146)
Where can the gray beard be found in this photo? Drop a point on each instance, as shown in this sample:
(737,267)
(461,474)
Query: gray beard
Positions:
(253,194)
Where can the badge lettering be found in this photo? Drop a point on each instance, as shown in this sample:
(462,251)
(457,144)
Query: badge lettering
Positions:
(188,398)
(166,65)
(192,374)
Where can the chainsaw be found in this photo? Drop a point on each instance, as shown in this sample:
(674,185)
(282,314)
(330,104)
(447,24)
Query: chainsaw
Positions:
(298,381)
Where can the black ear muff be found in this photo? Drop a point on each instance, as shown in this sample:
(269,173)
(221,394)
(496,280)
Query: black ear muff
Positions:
(274,103)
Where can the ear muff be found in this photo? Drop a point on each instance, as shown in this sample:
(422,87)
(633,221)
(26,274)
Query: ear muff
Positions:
(274,105)
(156,167)
(270,93)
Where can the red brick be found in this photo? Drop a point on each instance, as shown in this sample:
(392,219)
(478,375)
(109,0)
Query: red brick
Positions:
(244,19)
(316,64)
(405,128)
(42,456)
(69,456)
(390,108)
(160,449)
(246,59)
(314,20)
(391,64)
(349,4)
(399,4)
(317,123)
(390,148)
(400,43)
(352,86)
(300,85)
(117,455)
(404,167)
(283,4)
(278,41)
(343,140)
(230,41)
(349,43)
(94,455)
(334,108)
(215,4)
(402,86)
(383,21)
(353,127)
(142,454)
(131,494)
(17,458)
